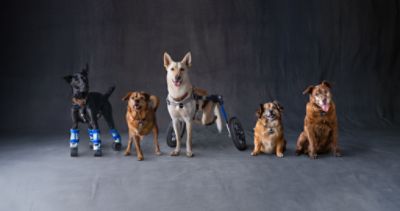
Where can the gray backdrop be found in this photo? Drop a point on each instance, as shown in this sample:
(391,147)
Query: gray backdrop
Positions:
(248,51)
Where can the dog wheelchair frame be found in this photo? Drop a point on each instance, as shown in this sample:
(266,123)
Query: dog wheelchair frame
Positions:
(233,125)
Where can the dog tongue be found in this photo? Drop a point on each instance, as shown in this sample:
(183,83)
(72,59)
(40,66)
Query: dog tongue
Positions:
(325,108)
(177,83)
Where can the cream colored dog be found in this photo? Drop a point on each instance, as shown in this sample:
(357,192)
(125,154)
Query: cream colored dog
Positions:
(184,101)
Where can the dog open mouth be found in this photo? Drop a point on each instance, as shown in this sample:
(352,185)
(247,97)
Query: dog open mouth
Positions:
(137,106)
(177,83)
(325,107)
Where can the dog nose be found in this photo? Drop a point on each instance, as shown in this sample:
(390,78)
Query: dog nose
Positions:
(177,78)
(136,101)
(324,101)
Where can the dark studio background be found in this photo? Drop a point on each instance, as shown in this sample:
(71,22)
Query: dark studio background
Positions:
(248,51)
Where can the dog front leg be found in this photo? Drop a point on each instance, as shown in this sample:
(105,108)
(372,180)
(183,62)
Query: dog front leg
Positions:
(137,147)
(280,148)
(257,147)
(128,148)
(189,152)
(155,137)
(177,150)
(312,153)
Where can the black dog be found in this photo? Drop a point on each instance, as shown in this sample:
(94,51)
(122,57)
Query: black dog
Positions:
(88,107)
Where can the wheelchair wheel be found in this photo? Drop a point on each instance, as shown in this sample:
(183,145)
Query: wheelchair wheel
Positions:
(171,138)
(237,133)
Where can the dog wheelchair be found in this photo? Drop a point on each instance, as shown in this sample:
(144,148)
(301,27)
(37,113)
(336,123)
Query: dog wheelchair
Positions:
(233,125)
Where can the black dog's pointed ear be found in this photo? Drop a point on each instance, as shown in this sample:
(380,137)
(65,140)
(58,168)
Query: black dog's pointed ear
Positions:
(278,105)
(68,78)
(326,83)
(308,90)
(85,70)
(260,111)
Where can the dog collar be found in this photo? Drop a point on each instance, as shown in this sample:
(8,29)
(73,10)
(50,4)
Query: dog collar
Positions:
(181,101)
(181,98)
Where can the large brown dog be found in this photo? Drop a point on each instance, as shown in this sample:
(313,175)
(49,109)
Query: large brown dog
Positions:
(268,133)
(320,124)
(141,120)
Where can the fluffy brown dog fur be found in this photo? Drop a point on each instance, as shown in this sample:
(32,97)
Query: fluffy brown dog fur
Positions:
(268,132)
(320,133)
(141,120)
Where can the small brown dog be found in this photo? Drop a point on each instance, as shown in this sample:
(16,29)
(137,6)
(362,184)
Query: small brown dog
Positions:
(268,132)
(141,120)
(320,124)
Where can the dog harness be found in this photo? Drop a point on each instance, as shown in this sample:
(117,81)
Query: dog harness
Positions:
(181,101)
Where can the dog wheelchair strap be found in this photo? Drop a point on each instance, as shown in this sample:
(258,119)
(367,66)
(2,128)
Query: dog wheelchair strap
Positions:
(115,135)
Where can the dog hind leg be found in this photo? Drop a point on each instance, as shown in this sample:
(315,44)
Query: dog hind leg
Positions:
(107,113)
(301,142)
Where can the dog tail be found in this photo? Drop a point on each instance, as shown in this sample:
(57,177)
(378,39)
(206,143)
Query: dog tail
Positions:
(155,102)
(109,92)
(218,121)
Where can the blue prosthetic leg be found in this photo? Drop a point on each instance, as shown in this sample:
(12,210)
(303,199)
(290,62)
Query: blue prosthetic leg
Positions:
(96,142)
(73,142)
(117,140)
(90,133)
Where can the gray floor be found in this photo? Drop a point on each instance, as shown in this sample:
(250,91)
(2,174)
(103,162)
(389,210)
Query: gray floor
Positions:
(36,173)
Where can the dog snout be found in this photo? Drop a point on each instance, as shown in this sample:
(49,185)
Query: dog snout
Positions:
(137,102)
(325,101)
(178,78)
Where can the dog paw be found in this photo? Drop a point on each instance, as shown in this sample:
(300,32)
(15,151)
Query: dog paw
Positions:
(158,153)
(175,153)
(254,153)
(140,158)
(279,155)
(127,153)
(298,152)
(189,154)
(313,155)
(337,154)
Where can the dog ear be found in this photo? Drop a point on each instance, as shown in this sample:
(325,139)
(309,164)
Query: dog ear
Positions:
(260,111)
(167,60)
(127,96)
(68,78)
(278,105)
(85,70)
(308,90)
(326,83)
(187,60)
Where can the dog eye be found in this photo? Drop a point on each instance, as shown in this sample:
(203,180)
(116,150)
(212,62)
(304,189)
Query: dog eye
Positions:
(182,69)
(172,69)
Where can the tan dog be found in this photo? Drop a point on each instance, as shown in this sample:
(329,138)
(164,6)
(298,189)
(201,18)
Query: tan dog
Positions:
(141,120)
(320,124)
(268,132)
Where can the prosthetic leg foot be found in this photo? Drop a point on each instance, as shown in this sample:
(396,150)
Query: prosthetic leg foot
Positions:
(73,142)
(116,145)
